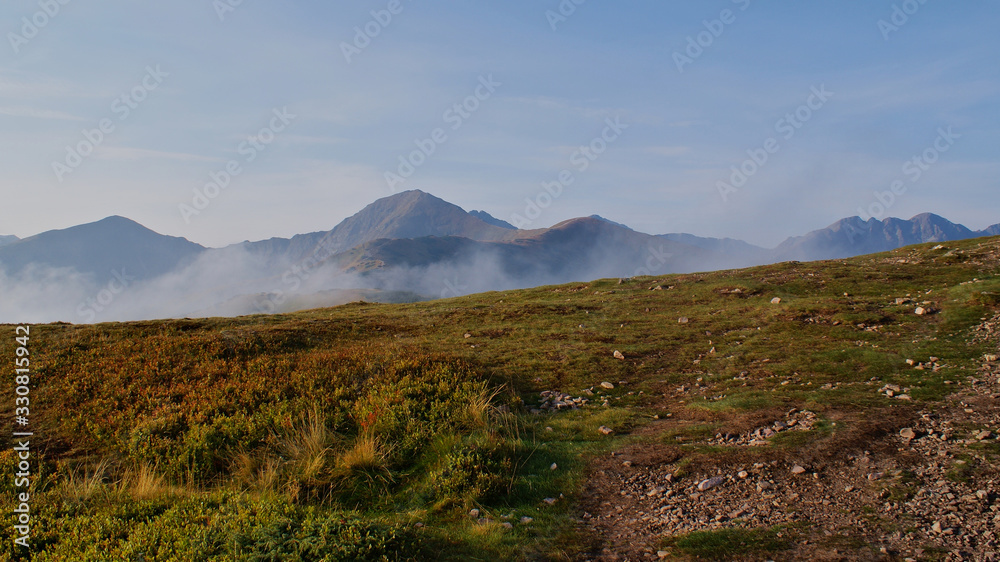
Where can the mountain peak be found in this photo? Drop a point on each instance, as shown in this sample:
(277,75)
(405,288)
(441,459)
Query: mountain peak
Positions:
(609,221)
(114,243)
(490,219)
(405,215)
(854,236)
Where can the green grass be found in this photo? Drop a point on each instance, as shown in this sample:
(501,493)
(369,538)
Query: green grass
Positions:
(385,416)
(724,544)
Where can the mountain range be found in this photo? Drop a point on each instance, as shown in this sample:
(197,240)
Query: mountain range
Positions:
(409,244)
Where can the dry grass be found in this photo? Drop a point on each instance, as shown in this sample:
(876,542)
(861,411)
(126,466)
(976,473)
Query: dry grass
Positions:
(365,455)
(81,484)
(145,483)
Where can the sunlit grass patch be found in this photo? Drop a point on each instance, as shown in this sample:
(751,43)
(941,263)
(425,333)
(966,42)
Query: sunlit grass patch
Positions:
(724,544)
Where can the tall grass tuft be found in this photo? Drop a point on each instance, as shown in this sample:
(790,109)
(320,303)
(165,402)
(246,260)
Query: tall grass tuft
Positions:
(145,483)
(81,484)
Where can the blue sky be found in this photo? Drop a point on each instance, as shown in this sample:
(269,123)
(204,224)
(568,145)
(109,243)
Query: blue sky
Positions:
(219,80)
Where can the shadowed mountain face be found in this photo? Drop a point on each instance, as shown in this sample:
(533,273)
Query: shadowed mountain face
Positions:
(575,250)
(411,214)
(408,243)
(853,237)
(4,240)
(735,253)
(112,244)
(490,219)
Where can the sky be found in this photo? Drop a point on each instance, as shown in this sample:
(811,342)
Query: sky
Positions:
(225,120)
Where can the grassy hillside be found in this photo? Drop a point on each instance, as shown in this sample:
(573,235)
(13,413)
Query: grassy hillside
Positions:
(417,431)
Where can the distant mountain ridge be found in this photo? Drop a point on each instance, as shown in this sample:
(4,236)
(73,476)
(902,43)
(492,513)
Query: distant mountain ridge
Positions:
(854,236)
(414,242)
(112,244)
(490,219)
(4,240)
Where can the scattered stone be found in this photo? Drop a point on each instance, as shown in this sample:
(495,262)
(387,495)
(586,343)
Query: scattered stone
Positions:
(776,300)
(525,520)
(618,355)
(876,476)
(554,467)
(474,513)
(743,474)
(798,469)
(908,433)
(605,430)
(467,336)
(683,320)
(920,311)
(710,483)
(990,358)
(607,385)
(550,501)
(507,525)
(555,401)
(984,435)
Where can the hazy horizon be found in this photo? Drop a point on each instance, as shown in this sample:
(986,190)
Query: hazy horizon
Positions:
(971,227)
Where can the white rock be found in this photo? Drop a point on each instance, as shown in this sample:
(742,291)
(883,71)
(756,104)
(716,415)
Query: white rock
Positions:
(776,300)
(607,385)
(618,355)
(710,483)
